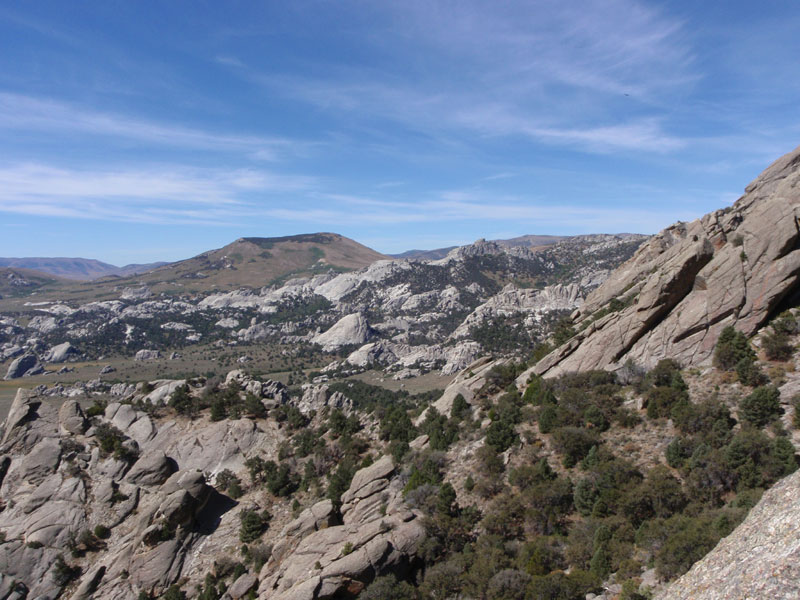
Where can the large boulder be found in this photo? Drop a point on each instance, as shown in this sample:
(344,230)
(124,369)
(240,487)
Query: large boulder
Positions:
(61,353)
(71,419)
(164,388)
(152,468)
(349,330)
(26,365)
(147,355)
(672,299)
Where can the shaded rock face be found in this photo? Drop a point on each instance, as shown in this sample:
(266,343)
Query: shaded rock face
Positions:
(675,295)
(317,559)
(56,484)
(760,559)
(24,366)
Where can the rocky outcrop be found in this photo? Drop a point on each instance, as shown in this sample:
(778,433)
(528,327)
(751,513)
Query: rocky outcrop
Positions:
(317,397)
(140,293)
(675,295)
(61,353)
(378,535)
(147,355)
(57,485)
(512,300)
(71,419)
(164,388)
(351,329)
(760,559)
(26,365)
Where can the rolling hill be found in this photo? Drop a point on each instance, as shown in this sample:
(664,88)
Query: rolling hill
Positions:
(80,269)
(255,262)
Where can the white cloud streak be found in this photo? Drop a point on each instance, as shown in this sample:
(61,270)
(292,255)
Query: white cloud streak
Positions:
(26,113)
(241,197)
(594,75)
(154,195)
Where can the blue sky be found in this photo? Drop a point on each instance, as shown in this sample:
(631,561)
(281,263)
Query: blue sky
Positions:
(142,131)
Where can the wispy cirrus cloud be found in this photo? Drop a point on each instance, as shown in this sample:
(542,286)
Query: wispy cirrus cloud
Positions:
(142,195)
(238,198)
(595,76)
(27,113)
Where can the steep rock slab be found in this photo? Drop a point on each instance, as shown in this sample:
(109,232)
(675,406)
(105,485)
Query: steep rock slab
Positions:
(680,289)
(352,329)
(61,353)
(760,559)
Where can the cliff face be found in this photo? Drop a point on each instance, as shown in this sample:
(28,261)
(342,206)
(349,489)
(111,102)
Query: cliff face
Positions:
(760,559)
(675,295)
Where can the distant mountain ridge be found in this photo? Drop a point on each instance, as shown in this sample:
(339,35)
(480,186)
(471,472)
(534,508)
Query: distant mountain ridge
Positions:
(80,269)
(523,241)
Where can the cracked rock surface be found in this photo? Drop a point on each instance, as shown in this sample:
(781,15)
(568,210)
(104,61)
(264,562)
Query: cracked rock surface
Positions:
(681,288)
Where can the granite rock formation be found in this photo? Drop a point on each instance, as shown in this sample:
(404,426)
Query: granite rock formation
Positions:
(760,559)
(672,299)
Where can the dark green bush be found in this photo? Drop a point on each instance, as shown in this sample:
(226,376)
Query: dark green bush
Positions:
(573,443)
(749,373)
(183,402)
(102,532)
(661,400)
(500,435)
(732,346)
(585,495)
(762,406)
(665,374)
(560,586)
(460,408)
(339,481)
(776,345)
(253,525)
(174,592)
(387,587)
(441,432)
(688,540)
(64,573)
(548,418)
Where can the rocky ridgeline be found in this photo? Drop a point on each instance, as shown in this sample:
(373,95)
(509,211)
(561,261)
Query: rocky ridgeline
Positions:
(164,522)
(421,313)
(672,299)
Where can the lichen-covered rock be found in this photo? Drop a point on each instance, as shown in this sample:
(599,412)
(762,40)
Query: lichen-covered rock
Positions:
(760,559)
